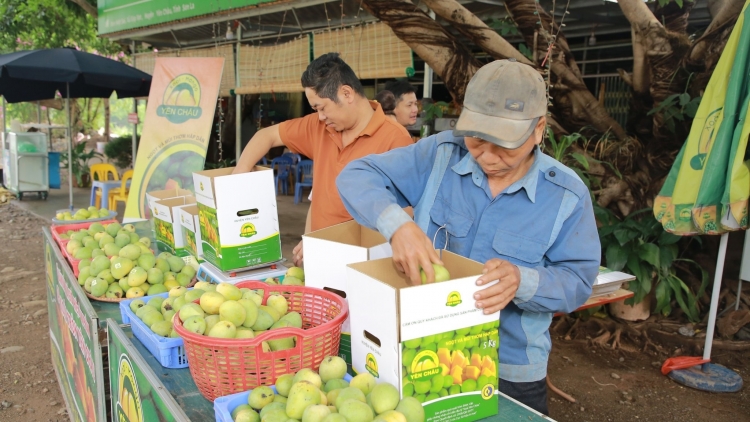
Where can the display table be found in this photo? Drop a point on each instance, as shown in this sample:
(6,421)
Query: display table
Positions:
(88,341)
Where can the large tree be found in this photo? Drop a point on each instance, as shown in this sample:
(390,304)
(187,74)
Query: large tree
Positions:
(666,63)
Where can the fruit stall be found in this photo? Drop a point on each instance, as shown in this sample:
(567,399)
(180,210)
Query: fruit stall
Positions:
(191,315)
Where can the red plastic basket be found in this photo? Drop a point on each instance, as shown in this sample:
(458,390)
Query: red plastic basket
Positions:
(57,230)
(221,367)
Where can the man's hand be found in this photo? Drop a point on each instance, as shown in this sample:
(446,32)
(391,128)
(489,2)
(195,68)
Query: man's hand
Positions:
(496,297)
(297,254)
(412,251)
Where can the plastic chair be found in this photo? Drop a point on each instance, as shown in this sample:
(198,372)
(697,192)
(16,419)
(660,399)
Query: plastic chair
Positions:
(101,172)
(263,162)
(282,167)
(120,194)
(303,178)
(296,158)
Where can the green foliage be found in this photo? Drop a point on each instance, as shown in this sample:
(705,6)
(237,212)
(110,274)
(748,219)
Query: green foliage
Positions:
(677,107)
(434,111)
(119,150)
(81,159)
(35,24)
(228,162)
(560,151)
(638,245)
(507,28)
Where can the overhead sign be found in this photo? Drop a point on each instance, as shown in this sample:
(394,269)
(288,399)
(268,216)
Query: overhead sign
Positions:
(120,15)
(179,117)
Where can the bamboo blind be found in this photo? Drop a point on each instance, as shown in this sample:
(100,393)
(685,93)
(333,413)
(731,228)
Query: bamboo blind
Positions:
(227,52)
(147,61)
(275,68)
(372,50)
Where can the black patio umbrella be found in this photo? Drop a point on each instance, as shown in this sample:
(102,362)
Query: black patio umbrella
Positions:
(35,75)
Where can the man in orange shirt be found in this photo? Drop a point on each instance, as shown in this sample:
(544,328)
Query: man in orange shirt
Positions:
(345,127)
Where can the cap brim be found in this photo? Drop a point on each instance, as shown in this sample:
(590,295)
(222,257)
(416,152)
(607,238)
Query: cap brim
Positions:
(506,133)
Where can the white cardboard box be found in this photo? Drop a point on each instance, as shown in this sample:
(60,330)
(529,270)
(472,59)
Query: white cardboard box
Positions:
(167,230)
(412,335)
(327,253)
(191,230)
(159,195)
(239,220)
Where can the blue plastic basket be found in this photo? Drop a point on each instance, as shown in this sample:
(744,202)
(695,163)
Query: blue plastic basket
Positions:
(223,406)
(170,352)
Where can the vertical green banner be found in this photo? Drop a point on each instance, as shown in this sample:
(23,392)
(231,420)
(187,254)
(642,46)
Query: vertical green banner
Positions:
(133,387)
(76,355)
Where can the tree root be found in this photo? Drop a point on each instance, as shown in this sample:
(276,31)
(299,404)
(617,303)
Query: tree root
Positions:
(559,392)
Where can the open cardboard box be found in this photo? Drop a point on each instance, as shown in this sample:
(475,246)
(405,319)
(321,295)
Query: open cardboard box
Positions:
(191,233)
(239,221)
(167,229)
(159,195)
(327,253)
(416,337)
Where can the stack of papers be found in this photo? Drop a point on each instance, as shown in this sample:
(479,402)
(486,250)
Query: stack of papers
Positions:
(609,281)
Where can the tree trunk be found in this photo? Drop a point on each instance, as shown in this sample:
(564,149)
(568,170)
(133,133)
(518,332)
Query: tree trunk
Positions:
(445,54)
(88,7)
(712,42)
(578,107)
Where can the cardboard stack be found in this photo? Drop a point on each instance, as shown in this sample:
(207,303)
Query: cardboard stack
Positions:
(239,221)
(329,251)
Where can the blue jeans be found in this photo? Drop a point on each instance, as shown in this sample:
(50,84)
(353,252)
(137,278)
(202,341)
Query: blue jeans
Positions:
(532,394)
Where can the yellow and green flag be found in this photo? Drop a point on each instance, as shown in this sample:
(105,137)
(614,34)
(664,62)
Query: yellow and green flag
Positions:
(707,189)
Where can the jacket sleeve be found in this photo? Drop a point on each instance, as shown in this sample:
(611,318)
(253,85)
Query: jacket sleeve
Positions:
(375,188)
(571,264)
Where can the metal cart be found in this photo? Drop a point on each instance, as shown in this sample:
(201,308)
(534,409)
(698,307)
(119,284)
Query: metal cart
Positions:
(26,164)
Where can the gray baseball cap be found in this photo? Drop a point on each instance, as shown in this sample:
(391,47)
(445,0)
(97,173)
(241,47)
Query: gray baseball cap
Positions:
(503,103)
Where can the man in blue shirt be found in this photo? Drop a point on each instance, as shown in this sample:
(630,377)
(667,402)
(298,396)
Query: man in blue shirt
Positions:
(487,192)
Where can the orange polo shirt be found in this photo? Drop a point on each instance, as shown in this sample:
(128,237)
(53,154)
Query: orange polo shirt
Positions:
(309,136)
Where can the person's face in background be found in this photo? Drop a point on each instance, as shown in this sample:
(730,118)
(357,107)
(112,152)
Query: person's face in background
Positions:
(406,109)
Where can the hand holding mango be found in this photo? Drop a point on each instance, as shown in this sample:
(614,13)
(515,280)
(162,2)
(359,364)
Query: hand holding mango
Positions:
(326,396)
(441,274)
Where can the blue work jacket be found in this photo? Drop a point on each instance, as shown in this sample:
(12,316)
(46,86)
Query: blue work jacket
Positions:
(543,223)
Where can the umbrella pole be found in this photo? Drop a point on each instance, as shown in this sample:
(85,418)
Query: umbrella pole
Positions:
(715,296)
(70,146)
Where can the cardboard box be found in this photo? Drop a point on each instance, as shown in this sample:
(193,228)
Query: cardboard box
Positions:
(159,195)
(167,230)
(239,221)
(417,337)
(327,253)
(191,230)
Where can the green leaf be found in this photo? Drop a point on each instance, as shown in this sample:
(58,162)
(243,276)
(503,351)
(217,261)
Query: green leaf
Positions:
(625,235)
(581,160)
(666,238)
(692,107)
(667,254)
(679,3)
(649,253)
(662,297)
(616,257)
(684,97)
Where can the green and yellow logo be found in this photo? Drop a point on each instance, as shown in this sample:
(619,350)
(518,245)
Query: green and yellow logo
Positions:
(181,100)
(425,365)
(248,230)
(201,184)
(129,407)
(454,299)
(488,391)
(685,214)
(371,365)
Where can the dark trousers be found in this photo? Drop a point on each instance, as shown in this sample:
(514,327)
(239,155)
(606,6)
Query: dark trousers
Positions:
(532,394)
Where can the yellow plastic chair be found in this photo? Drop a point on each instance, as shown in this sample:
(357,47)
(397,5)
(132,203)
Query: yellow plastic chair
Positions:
(102,172)
(120,194)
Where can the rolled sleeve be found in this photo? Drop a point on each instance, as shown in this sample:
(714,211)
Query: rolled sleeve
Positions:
(391,219)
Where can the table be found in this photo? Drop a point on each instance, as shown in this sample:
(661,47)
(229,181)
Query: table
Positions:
(616,296)
(172,395)
(105,186)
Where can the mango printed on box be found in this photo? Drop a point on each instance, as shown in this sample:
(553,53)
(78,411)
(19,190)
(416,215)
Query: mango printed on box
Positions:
(448,365)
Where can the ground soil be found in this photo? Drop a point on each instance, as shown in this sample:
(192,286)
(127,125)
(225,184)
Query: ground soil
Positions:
(608,385)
